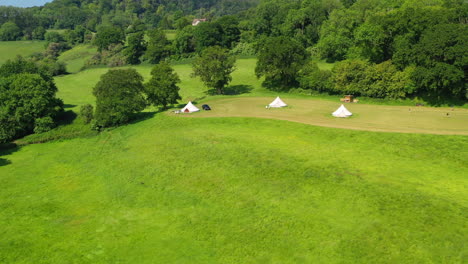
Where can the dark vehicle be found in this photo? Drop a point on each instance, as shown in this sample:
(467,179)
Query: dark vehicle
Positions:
(206,107)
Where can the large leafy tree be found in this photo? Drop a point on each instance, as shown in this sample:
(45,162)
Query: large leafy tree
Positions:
(9,31)
(280,60)
(119,95)
(162,88)
(208,34)
(214,67)
(158,46)
(27,100)
(230,31)
(442,59)
(185,41)
(135,48)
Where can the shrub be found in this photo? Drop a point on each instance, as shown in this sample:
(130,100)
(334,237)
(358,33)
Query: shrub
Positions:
(119,95)
(9,31)
(43,124)
(53,36)
(312,78)
(87,113)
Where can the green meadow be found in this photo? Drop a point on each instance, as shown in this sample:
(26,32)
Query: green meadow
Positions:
(239,184)
(76,58)
(11,49)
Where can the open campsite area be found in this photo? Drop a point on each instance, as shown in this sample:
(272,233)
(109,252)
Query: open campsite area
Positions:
(237,189)
(366,117)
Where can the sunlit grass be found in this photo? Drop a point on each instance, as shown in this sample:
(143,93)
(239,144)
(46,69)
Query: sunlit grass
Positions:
(236,190)
(10,49)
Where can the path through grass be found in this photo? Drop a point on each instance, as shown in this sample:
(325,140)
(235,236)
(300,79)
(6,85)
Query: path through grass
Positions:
(365,117)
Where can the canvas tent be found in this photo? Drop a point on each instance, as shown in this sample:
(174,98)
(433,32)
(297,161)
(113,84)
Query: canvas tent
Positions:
(342,112)
(189,108)
(277,103)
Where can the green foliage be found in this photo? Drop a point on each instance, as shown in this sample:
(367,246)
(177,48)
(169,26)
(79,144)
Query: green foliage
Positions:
(107,36)
(118,97)
(54,49)
(43,124)
(136,46)
(337,34)
(53,36)
(52,66)
(304,23)
(349,76)
(158,46)
(182,22)
(230,31)
(87,113)
(214,67)
(369,42)
(442,57)
(207,34)
(9,31)
(382,80)
(38,33)
(25,98)
(162,88)
(385,81)
(280,60)
(312,78)
(75,36)
(184,42)
(112,57)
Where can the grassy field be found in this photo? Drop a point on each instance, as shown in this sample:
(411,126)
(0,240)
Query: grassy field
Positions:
(236,188)
(11,49)
(76,57)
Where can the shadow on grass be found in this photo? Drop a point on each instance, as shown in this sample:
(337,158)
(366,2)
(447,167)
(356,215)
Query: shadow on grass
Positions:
(65,106)
(6,149)
(66,118)
(434,100)
(142,116)
(232,90)
(238,89)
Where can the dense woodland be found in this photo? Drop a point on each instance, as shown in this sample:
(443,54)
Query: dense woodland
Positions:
(382,48)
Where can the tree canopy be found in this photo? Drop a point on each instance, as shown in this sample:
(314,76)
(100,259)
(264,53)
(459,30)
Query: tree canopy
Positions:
(214,67)
(119,95)
(27,100)
(162,89)
(280,60)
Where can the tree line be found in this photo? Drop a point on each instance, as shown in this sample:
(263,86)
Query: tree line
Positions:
(399,48)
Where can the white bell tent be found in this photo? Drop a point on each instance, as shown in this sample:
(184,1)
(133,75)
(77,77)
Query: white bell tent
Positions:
(342,112)
(277,103)
(189,108)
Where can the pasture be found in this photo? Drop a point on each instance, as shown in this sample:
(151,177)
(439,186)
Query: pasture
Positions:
(11,49)
(75,58)
(237,186)
(236,190)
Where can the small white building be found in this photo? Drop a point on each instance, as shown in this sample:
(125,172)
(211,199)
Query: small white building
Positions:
(197,21)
